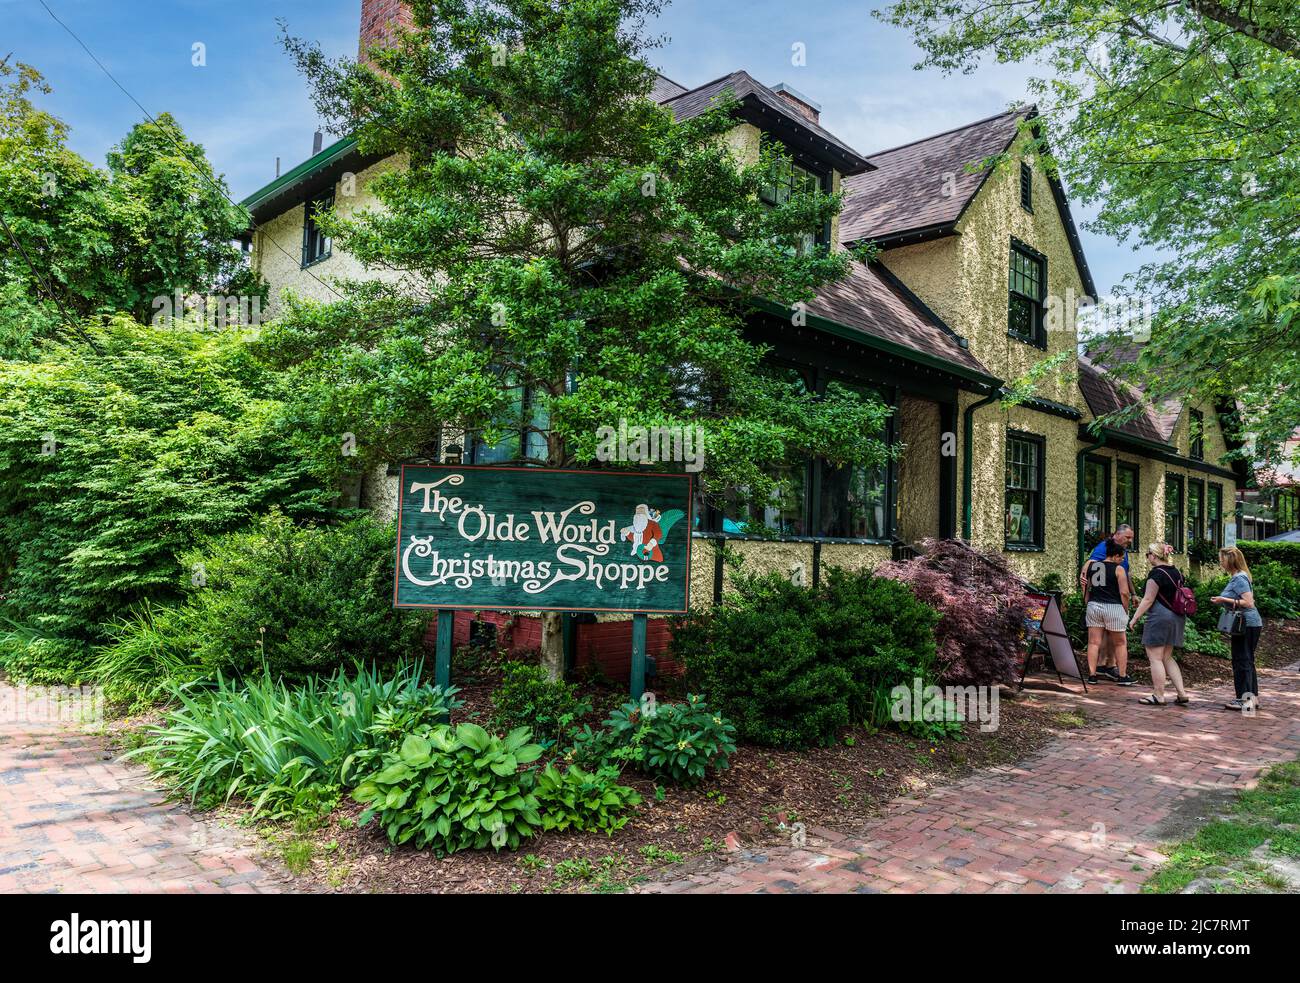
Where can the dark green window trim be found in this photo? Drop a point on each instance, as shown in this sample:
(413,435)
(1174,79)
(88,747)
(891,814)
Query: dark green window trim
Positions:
(1026,187)
(1035,488)
(1196,436)
(1174,523)
(1134,508)
(316,246)
(1104,526)
(1027,294)
(1214,512)
(1195,521)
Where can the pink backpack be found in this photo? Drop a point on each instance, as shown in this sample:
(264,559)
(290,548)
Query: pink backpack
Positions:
(1184,599)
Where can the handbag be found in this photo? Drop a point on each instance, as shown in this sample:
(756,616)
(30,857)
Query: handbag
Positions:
(1233,623)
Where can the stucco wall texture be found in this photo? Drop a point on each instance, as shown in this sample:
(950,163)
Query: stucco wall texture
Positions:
(918,468)
(963,278)
(277,245)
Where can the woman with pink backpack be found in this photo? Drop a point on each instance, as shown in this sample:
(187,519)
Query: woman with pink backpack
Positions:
(1166,602)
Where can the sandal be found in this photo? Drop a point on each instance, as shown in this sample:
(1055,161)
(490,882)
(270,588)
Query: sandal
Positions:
(1151,701)
(1182,701)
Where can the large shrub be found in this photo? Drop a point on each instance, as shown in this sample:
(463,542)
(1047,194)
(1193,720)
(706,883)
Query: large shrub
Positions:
(294,598)
(982,607)
(789,666)
(114,460)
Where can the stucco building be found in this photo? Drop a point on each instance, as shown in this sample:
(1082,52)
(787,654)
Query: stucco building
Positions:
(978,278)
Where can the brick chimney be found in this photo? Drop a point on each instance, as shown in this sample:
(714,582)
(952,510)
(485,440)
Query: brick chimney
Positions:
(805,107)
(379,20)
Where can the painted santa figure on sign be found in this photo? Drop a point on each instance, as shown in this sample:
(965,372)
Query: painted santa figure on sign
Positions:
(647,531)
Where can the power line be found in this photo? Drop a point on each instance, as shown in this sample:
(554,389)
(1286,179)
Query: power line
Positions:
(47,287)
(202,173)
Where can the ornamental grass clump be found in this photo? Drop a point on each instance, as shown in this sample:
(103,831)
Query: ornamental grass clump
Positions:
(283,748)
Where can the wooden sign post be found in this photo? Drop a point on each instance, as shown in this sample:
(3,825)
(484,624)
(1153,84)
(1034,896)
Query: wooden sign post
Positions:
(638,656)
(543,539)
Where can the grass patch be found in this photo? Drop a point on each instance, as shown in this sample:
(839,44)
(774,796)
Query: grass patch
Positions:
(1263,823)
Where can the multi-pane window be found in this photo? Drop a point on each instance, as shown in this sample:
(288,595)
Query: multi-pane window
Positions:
(1174,511)
(1096,501)
(1214,515)
(786,511)
(1026,292)
(315,243)
(788,179)
(1026,187)
(1195,510)
(1126,497)
(524,424)
(1196,426)
(1024,497)
(855,499)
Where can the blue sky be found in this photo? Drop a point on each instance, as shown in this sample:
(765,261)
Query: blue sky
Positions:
(247,105)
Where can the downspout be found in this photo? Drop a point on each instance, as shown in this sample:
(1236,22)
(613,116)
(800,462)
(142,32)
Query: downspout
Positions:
(1078,494)
(968,438)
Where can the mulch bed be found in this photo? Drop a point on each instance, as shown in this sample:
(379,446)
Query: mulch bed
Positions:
(756,803)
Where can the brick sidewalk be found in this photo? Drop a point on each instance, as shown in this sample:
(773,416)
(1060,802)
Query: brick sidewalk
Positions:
(1086,814)
(74,820)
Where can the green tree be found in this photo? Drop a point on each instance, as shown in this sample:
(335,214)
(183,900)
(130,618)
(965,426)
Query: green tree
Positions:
(1178,118)
(571,256)
(117,456)
(100,241)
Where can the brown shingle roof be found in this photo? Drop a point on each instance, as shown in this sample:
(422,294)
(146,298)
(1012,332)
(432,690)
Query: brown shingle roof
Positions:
(907,189)
(1164,417)
(869,301)
(1105,394)
(665,88)
(746,89)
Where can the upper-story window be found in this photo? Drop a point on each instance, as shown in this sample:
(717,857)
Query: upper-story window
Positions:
(1027,291)
(1026,187)
(315,243)
(1196,428)
(789,178)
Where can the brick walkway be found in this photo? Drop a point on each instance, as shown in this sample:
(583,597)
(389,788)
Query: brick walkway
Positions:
(1086,814)
(74,820)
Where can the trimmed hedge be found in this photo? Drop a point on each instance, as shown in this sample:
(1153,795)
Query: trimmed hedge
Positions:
(1287,554)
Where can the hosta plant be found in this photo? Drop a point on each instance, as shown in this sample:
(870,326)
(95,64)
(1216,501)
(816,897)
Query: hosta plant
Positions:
(583,799)
(455,789)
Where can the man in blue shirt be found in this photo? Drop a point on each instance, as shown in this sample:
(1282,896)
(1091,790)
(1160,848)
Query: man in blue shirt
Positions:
(1109,666)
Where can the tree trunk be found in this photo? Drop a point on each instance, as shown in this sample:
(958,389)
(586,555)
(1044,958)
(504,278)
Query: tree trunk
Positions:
(553,644)
(552,632)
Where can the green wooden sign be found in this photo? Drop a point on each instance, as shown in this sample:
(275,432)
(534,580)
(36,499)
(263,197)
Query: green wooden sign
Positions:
(543,539)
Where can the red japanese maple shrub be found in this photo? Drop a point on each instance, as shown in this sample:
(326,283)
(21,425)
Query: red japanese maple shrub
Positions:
(982,607)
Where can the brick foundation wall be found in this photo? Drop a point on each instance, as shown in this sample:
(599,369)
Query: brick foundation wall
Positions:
(607,644)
